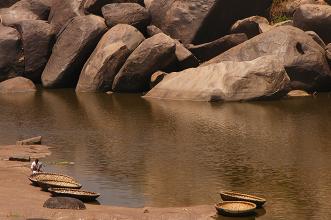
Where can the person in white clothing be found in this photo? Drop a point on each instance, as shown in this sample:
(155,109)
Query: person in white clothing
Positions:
(36,166)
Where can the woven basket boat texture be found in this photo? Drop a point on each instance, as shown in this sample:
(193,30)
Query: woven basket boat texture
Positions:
(235,196)
(34,178)
(75,193)
(45,185)
(235,208)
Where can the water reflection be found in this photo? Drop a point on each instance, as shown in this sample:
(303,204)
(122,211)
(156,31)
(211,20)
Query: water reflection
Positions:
(140,152)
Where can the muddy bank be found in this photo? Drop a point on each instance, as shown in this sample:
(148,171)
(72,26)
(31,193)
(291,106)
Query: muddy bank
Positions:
(20,200)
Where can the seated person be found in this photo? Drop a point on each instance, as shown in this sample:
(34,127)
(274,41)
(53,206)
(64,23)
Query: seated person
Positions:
(36,166)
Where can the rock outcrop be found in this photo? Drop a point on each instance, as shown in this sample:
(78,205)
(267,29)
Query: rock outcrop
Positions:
(17,85)
(303,58)
(196,21)
(126,13)
(7,3)
(10,52)
(207,51)
(109,56)
(25,10)
(317,18)
(64,203)
(37,41)
(316,38)
(71,50)
(262,78)
(63,11)
(251,26)
(155,53)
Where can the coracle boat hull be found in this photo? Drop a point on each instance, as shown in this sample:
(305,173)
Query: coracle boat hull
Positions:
(235,196)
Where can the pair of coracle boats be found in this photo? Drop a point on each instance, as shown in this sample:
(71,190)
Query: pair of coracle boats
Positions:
(62,185)
(238,204)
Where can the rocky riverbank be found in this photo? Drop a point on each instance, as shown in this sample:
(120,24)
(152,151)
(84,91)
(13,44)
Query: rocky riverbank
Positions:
(107,45)
(21,201)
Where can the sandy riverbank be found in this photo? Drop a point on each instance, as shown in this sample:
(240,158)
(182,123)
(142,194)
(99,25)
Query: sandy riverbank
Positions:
(20,200)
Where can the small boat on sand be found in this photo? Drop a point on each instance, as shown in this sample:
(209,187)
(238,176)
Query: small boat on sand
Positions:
(46,184)
(235,196)
(235,208)
(75,193)
(34,178)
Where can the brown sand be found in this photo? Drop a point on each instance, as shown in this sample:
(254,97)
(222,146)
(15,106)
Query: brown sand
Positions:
(20,200)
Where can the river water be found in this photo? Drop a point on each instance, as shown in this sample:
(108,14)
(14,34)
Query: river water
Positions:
(139,152)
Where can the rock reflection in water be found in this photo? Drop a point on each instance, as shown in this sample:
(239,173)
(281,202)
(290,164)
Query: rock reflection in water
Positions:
(140,152)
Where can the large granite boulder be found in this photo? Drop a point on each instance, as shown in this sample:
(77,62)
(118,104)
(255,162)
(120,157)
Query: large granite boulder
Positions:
(185,58)
(107,59)
(155,53)
(10,52)
(64,203)
(303,58)
(202,21)
(251,26)
(207,51)
(16,85)
(63,11)
(25,10)
(126,13)
(287,8)
(95,6)
(262,78)
(311,17)
(71,50)
(37,41)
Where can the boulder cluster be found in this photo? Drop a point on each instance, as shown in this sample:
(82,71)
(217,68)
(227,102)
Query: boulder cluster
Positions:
(203,50)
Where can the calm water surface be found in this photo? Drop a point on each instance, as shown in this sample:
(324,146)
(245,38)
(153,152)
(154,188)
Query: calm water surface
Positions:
(140,152)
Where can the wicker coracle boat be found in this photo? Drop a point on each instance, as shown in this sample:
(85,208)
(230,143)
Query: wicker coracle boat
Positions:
(46,184)
(75,193)
(235,208)
(235,196)
(34,178)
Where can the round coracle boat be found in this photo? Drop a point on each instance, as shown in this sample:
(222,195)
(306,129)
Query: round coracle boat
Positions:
(234,196)
(34,178)
(235,208)
(45,185)
(74,193)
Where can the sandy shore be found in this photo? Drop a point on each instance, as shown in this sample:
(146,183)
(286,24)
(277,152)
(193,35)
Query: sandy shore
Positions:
(20,200)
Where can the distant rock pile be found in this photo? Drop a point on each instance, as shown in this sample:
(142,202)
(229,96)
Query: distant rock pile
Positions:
(210,50)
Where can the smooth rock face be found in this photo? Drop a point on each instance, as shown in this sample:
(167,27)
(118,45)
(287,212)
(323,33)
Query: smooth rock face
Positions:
(185,57)
(71,51)
(64,203)
(37,39)
(198,21)
(95,6)
(303,58)
(25,10)
(151,55)
(9,51)
(30,141)
(16,85)
(207,51)
(99,71)
(261,78)
(126,13)
(251,26)
(109,56)
(63,11)
(316,18)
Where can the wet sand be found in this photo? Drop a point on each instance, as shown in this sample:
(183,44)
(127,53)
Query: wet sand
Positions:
(20,200)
